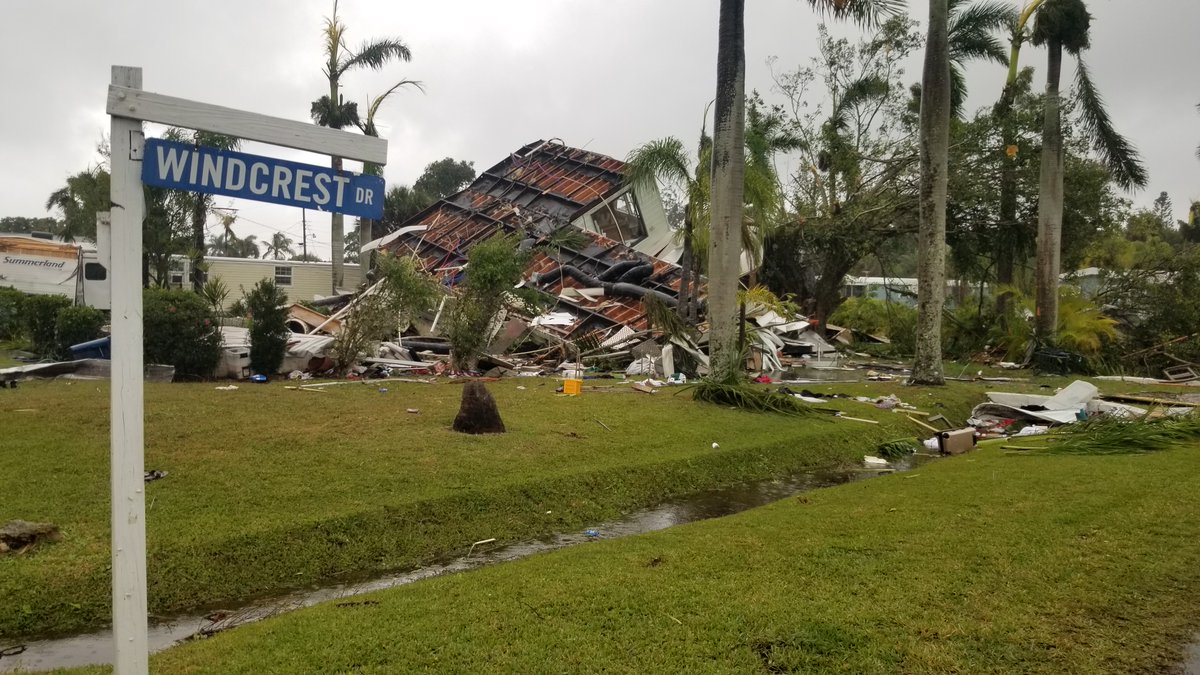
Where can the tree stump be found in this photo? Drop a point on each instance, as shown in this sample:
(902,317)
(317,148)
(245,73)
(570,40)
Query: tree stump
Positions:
(478,414)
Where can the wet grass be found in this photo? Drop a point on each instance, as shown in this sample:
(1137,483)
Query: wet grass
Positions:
(271,489)
(984,563)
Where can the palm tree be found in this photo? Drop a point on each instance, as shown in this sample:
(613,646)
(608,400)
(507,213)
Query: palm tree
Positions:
(334,112)
(279,248)
(666,160)
(728,189)
(1064,24)
(931,246)
(84,194)
(198,204)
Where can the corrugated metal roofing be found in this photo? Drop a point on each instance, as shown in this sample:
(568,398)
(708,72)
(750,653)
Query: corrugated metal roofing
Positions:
(538,189)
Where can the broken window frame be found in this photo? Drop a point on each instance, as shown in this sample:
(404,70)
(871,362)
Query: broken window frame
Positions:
(612,212)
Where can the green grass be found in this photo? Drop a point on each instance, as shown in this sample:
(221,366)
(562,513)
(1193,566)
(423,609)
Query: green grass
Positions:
(272,489)
(984,563)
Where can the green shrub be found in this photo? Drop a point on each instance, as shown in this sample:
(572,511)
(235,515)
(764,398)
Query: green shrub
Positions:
(12,314)
(267,305)
(875,317)
(180,330)
(41,321)
(493,268)
(75,325)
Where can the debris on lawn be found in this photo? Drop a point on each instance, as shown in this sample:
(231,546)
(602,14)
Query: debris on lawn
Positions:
(82,369)
(1111,435)
(156,474)
(19,536)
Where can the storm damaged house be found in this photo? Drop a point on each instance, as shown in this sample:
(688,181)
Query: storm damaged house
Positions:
(597,275)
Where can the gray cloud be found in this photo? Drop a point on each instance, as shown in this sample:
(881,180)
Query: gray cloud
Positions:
(606,75)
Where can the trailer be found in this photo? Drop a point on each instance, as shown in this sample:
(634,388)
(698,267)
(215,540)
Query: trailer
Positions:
(298,280)
(42,266)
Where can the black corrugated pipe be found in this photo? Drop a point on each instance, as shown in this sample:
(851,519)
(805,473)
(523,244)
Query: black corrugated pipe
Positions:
(619,288)
(637,274)
(419,345)
(614,273)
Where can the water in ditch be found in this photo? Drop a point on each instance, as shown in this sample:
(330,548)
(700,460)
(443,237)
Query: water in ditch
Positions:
(97,648)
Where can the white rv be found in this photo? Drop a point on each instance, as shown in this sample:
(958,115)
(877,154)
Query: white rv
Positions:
(47,267)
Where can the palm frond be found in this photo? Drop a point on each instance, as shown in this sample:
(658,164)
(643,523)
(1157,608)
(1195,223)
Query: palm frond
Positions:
(858,92)
(974,30)
(958,89)
(339,116)
(1063,21)
(749,397)
(866,13)
(1115,150)
(375,55)
(1113,435)
(662,159)
(367,126)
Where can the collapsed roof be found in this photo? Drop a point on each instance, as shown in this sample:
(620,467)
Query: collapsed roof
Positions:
(535,193)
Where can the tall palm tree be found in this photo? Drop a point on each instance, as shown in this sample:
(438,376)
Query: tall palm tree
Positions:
(1063,25)
(198,204)
(1010,229)
(728,189)
(334,112)
(279,248)
(931,244)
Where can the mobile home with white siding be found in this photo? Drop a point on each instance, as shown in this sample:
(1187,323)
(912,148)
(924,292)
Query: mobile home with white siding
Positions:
(299,280)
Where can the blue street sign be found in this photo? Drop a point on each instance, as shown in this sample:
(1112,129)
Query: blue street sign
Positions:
(265,179)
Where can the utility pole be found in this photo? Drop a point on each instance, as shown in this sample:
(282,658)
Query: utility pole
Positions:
(304,232)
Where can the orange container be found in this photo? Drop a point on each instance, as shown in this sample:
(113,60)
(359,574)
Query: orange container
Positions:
(572,387)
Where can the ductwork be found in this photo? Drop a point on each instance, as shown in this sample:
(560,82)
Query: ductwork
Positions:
(619,288)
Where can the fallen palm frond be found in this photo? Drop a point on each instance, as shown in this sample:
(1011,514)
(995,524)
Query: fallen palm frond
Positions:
(1117,436)
(748,397)
(897,449)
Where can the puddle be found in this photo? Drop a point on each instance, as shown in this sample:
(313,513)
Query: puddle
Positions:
(97,648)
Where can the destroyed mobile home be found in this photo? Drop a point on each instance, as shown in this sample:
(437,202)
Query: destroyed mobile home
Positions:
(600,252)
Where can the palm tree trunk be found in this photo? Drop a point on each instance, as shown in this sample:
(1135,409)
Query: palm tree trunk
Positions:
(685,267)
(1011,238)
(1050,204)
(931,246)
(337,240)
(1009,235)
(199,215)
(728,186)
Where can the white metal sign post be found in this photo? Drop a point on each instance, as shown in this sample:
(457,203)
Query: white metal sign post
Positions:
(128,106)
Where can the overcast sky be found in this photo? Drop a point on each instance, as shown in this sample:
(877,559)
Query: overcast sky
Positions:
(601,75)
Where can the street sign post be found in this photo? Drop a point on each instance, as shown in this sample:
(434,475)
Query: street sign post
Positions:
(236,174)
(232,174)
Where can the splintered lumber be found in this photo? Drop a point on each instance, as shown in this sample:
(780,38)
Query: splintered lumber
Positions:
(1149,399)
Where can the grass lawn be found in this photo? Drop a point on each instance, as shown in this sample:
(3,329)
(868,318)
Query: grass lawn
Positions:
(983,563)
(271,489)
